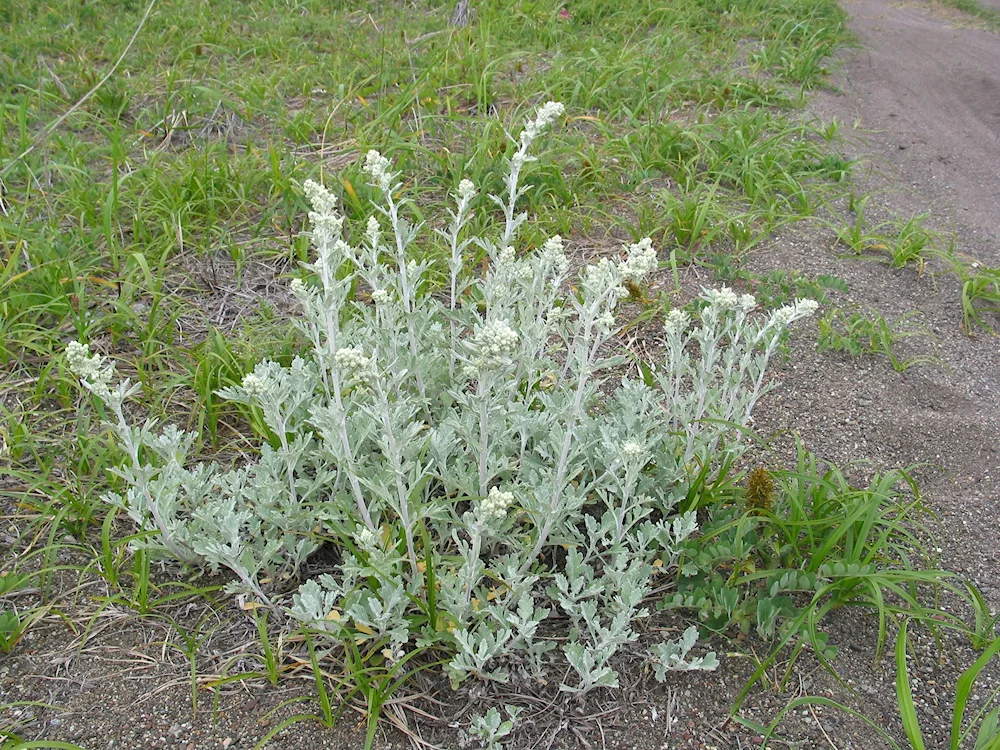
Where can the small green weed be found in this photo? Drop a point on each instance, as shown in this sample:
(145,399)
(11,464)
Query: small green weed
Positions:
(779,555)
(982,732)
(900,243)
(980,295)
(858,334)
(14,624)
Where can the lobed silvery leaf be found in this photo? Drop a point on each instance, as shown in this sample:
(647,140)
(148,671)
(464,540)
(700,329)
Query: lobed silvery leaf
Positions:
(671,656)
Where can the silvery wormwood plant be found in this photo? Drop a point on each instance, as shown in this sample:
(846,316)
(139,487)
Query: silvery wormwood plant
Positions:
(454,448)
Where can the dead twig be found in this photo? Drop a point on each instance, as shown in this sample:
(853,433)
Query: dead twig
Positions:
(461,15)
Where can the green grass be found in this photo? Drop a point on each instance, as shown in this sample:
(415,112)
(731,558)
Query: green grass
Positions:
(156,214)
(990,17)
(859,333)
(980,732)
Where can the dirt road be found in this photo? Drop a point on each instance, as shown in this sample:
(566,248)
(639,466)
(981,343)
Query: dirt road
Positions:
(928,86)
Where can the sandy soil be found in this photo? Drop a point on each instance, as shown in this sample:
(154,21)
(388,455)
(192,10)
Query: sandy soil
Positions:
(925,95)
(924,91)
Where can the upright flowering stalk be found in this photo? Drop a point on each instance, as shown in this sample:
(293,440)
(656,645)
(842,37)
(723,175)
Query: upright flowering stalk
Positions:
(378,169)
(394,451)
(545,116)
(480,523)
(325,311)
(493,344)
(708,395)
(602,287)
(456,263)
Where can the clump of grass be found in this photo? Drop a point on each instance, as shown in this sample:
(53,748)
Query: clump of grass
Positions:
(858,333)
(899,243)
(981,732)
(980,295)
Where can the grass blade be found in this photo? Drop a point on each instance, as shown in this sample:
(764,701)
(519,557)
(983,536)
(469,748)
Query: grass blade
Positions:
(907,710)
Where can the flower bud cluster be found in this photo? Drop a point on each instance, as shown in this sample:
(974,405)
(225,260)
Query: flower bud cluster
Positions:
(494,506)
(602,277)
(553,256)
(641,260)
(545,116)
(255,386)
(373,232)
(725,298)
(605,321)
(89,368)
(377,168)
(298,289)
(327,225)
(506,257)
(496,339)
(466,191)
(677,322)
(801,308)
(351,360)
(633,450)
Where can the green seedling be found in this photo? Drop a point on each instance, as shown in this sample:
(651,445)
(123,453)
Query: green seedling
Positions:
(859,334)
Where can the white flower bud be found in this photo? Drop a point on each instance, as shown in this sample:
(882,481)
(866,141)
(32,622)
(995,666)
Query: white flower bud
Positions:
(553,256)
(494,506)
(721,299)
(466,191)
(506,257)
(298,289)
(326,223)
(255,386)
(641,260)
(373,231)
(801,308)
(677,322)
(322,200)
(632,450)
(377,167)
(496,339)
(89,368)
(351,359)
(544,117)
